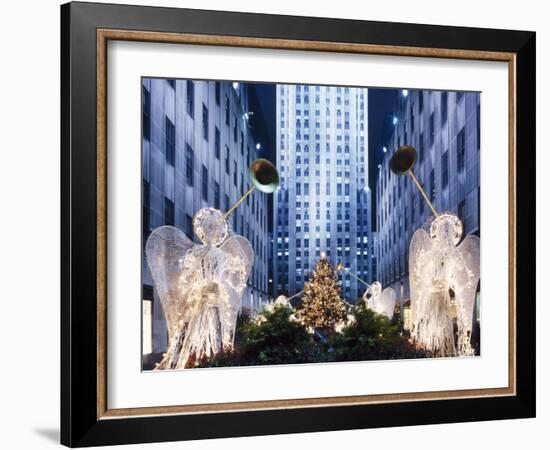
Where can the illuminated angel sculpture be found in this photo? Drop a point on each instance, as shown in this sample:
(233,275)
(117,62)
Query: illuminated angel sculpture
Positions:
(200,286)
(381,302)
(437,268)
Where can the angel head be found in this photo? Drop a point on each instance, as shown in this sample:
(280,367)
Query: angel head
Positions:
(374,290)
(382,302)
(210,226)
(446,228)
(282,300)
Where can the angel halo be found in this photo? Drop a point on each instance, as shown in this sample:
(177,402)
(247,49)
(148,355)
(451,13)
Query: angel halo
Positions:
(200,285)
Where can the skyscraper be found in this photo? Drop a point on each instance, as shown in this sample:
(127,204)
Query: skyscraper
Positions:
(444,127)
(323,204)
(197,147)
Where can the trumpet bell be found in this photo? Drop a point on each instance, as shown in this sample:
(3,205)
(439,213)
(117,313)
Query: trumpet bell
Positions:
(264,175)
(403,160)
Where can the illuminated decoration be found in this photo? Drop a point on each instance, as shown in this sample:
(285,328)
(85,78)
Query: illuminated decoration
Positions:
(407,316)
(322,306)
(282,300)
(380,301)
(437,266)
(350,320)
(201,286)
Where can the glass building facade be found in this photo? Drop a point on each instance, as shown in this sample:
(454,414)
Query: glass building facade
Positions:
(323,204)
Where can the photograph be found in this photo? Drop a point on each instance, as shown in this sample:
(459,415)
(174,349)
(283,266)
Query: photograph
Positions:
(271,223)
(296,223)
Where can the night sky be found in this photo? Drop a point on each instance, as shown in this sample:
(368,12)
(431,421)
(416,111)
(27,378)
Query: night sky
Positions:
(381,107)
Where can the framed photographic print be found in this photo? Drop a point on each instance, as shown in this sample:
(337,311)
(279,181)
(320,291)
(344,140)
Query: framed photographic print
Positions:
(277,224)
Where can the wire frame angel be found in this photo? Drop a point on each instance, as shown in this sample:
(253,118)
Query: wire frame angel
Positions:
(438,269)
(200,286)
(380,301)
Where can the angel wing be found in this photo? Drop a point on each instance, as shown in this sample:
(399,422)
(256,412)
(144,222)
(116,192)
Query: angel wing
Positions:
(368,298)
(234,272)
(466,277)
(166,250)
(420,250)
(240,258)
(386,302)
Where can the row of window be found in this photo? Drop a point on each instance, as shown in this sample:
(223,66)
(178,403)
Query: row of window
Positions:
(430,187)
(190,103)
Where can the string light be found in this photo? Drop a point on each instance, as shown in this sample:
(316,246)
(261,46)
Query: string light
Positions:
(438,266)
(200,286)
(381,302)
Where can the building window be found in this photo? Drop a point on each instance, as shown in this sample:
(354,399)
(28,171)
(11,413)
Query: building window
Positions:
(444,107)
(204,183)
(189,161)
(478,127)
(235,173)
(169,141)
(189,226)
(147,330)
(217,90)
(191,98)
(459,96)
(172,83)
(216,195)
(242,143)
(217,142)
(235,129)
(432,129)
(460,149)
(168,211)
(227,159)
(444,169)
(462,211)
(420,101)
(145,209)
(227,110)
(205,122)
(146,113)
(421,147)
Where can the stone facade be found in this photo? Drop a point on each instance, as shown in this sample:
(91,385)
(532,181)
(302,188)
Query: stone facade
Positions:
(323,204)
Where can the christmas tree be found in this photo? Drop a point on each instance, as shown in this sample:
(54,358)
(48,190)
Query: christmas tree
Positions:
(322,305)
